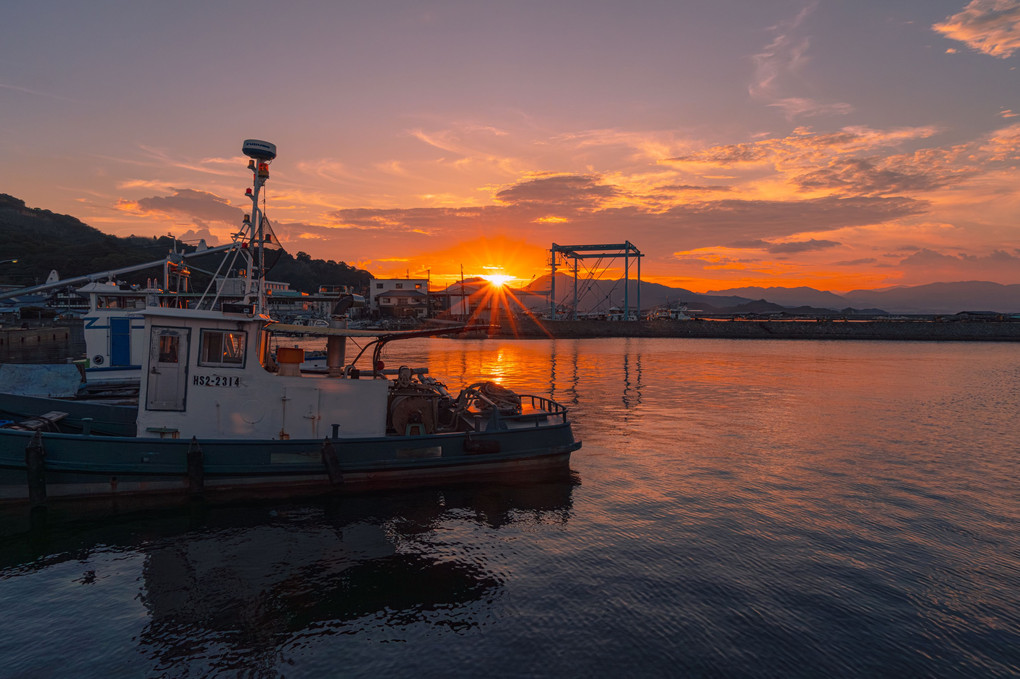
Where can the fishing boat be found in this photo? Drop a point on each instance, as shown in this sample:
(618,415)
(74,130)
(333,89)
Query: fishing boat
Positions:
(102,389)
(219,415)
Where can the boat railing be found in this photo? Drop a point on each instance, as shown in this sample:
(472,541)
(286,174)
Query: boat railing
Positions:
(533,408)
(540,405)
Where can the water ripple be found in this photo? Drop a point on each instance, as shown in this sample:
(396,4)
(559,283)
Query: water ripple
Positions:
(739,509)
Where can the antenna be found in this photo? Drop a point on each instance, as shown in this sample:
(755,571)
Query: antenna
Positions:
(261,153)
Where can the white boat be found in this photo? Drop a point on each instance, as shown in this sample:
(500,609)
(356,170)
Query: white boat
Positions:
(671,313)
(218,415)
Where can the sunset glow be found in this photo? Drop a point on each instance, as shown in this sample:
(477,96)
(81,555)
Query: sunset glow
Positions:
(804,162)
(498,280)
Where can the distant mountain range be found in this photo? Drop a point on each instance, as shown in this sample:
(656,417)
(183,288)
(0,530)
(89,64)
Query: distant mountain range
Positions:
(934,298)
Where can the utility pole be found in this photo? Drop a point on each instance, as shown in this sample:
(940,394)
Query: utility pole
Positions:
(552,282)
(626,282)
(575,288)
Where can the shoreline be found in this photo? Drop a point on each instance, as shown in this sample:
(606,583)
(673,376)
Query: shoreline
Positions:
(62,342)
(908,330)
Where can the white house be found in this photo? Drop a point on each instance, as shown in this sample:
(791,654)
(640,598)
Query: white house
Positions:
(394,289)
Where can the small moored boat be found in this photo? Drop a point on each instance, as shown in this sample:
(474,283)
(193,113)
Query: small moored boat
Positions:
(219,415)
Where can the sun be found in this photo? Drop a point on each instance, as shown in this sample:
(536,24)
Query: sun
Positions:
(498,280)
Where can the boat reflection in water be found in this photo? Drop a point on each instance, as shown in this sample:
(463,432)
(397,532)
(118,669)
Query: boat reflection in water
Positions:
(225,587)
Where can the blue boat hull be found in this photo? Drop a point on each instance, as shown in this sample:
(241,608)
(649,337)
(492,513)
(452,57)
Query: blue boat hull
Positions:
(100,418)
(86,466)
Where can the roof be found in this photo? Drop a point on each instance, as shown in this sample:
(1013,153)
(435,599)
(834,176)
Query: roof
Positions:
(401,293)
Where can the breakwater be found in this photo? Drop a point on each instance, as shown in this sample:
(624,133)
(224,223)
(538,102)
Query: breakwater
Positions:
(44,344)
(910,330)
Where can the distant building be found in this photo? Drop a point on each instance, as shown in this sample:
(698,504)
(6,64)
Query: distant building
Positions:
(234,287)
(398,302)
(403,304)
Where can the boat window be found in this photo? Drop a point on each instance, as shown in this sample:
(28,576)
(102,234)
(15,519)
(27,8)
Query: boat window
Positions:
(223,348)
(264,351)
(168,348)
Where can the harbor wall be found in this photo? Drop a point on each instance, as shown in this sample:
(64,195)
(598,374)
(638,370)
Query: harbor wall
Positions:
(989,331)
(42,344)
(60,343)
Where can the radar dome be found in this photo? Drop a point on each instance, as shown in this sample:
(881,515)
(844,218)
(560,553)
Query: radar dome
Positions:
(259,150)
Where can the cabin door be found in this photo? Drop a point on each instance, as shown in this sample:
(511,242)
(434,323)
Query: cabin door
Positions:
(167,379)
(120,341)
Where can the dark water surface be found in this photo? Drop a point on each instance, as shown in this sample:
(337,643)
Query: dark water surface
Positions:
(739,509)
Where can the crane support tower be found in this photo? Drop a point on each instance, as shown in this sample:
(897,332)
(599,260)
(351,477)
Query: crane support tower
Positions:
(627,250)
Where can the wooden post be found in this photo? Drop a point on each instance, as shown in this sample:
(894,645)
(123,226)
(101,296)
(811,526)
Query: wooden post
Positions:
(196,468)
(35,465)
(336,476)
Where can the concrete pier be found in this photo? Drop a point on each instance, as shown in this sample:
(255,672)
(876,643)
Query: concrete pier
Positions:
(41,344)
(835,329)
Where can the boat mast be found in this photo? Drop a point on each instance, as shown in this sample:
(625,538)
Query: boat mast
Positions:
(261,153)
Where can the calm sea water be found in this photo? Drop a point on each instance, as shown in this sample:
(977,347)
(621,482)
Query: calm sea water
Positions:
(739,509)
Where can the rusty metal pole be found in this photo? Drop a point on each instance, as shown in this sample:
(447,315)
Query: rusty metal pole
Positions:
(196,468)
(35,466)
(336,351)
(329,460)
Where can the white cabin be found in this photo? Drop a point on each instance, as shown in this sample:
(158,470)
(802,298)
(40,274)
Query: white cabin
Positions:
(210,374)
(115,341)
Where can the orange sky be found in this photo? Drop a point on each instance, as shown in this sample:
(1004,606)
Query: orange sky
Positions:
(780,144)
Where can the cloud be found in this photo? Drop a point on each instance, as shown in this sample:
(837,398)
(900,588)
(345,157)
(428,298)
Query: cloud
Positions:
(876,176)
(328,169)
(856,262)
(806,148)
(730,154)
(144,184)
(991,27)
(784,57)
(38,93)
(1002,146)
(576,192)
(199,206)
(930,265)
(399,220)
(193,236)
(469,146)
(691,187)
(757,244)
(785,247)
(800,107)
(776,218)
(804,196)
(927,257)
(792,247)
(689,225)
(221,167)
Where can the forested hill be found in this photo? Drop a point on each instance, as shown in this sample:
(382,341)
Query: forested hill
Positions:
(42,241)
